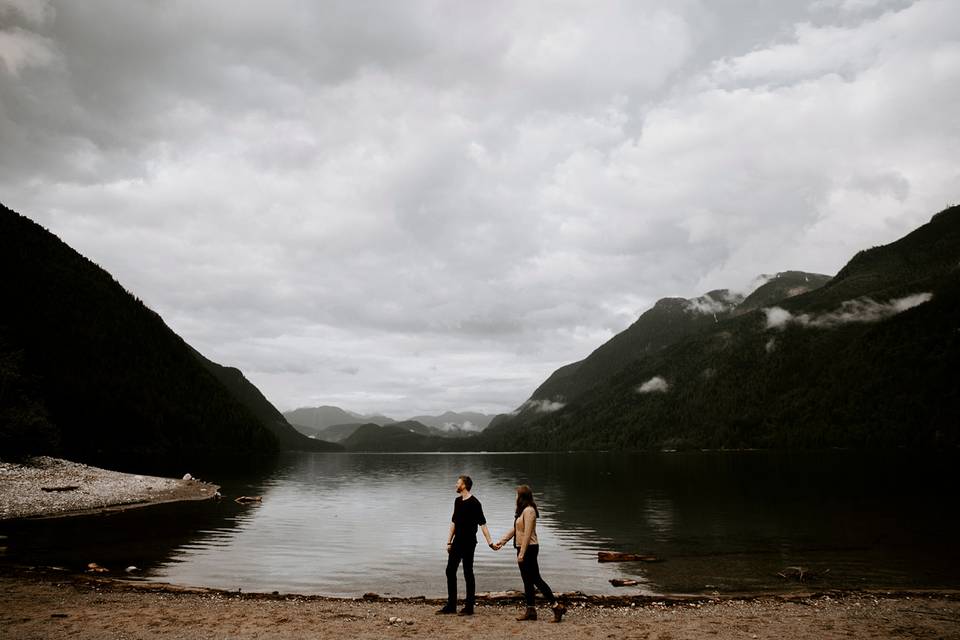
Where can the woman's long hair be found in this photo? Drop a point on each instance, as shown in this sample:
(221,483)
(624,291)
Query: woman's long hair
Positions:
(524,500)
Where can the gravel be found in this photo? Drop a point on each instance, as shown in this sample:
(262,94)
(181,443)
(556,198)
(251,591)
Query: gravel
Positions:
(74,488)
(51,607)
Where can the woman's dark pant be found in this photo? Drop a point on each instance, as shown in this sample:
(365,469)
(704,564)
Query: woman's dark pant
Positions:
(458,553)
(530,572)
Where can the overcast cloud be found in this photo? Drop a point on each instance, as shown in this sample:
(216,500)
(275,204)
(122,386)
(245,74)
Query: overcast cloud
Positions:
(409,207)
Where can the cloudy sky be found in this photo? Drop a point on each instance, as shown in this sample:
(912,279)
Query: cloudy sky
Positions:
(417,206)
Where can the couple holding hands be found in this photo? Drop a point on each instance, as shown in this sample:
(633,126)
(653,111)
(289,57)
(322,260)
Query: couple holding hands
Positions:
(462,542)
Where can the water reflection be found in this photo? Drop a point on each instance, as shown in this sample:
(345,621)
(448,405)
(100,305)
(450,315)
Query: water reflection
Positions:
(346,524)
(351,523)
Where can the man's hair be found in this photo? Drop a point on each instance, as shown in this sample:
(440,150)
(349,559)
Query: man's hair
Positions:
(467,482)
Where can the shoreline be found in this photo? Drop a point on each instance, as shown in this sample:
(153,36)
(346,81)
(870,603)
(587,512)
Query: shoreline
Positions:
(49,604)
(580,598)
(44,488)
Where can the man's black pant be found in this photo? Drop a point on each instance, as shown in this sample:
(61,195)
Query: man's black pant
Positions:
(458,553)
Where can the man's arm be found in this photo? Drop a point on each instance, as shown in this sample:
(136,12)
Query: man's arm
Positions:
(453,528)
(486,534)
(482,521)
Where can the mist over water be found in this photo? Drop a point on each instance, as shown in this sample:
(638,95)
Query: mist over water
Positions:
(346,524)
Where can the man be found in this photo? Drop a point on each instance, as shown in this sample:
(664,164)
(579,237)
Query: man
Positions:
(461,543)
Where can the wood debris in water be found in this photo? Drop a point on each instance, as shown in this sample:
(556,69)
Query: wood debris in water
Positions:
(623,582)
(616,556)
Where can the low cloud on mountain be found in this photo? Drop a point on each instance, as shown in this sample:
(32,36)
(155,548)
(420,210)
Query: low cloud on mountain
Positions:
(655,384)
(861,310)
(714,304)
(541,406)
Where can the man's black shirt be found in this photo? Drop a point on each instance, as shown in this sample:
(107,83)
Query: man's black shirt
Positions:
(467,516)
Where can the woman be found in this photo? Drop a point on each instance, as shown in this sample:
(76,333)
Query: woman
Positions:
(524,534)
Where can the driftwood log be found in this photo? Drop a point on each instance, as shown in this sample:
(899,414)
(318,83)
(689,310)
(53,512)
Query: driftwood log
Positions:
(623,582)
(616,556)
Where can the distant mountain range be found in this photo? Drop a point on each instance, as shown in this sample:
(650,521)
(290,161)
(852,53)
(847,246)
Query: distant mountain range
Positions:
(315,418)
(87,371)
(336,425)
(464,422)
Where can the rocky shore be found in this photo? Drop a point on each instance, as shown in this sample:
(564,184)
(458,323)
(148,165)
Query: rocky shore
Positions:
(50,487)
(46,605)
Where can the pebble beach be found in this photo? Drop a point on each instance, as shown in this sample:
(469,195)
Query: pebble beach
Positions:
(43,605)
(51,487)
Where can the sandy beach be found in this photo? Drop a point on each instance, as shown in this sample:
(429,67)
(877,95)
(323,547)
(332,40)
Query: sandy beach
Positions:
(46,605)
(53,487)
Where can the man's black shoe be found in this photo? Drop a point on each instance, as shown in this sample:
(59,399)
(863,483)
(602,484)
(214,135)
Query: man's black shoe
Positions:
(466,611)
(445,611)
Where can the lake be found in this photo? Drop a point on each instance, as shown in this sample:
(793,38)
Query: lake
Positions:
(720,522)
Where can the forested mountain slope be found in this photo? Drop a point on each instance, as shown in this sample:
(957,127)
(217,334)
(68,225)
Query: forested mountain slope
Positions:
(87,371)
(867,360)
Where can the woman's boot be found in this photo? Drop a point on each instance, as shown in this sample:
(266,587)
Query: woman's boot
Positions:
(558,610)
(529,614)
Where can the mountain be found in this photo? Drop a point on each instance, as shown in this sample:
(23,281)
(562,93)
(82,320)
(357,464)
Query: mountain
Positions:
(867,359)
(669,321)
(333,433)
(326,416)
(87,371)
(251,397)
(447,425)
(781,286)
(457,424)
(399,436)
(336,424)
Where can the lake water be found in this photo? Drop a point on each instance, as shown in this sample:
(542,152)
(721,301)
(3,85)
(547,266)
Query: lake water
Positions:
(721,522)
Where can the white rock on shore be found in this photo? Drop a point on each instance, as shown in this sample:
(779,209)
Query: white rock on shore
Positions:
(45,486)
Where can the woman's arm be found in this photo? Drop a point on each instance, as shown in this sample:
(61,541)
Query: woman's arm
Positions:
(507,537)
(529,521)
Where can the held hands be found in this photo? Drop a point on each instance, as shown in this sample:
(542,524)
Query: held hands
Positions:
(496,546)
